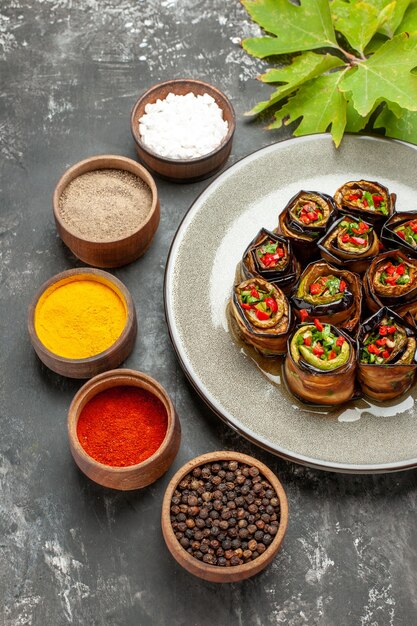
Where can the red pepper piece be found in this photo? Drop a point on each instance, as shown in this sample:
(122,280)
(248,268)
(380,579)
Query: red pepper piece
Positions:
(342,286)
(254,293)
(353,196)
(390,269)
(400,269)
(385,354)
(358,241)
(281,252)
(413,226)
(271,304)
(318,350)
(307,341)
(318,325)
(372,349)
(245,306)
(303,314)
(391,280)
(345,238)
(381,342)
(262,315)
(365,202)
(383,330)
(340,341)
(391,329)
(304,219)
(315,289)
(332,355)
(312,215)
(401,234)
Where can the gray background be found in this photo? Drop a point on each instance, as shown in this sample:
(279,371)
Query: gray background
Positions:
(72,552)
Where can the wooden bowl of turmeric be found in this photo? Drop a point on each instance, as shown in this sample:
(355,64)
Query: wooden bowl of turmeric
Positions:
(82,322)
(123,430)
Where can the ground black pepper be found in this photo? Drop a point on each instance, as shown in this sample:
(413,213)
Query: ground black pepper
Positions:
(225,514)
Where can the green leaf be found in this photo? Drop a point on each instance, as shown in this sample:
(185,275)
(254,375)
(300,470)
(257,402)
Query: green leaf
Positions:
(391,24)
(385,75)
(303,68)
(354,121)
(409,23)
(297,28)
(359,21)
(404,128)
(320,104)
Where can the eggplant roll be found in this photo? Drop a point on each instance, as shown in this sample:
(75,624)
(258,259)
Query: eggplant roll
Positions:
(263,316)
(391,280)
(400,231)
(365,199)
(306,217)
(350,243)
(329,294)
(386,355)
(320,364)
(270,257)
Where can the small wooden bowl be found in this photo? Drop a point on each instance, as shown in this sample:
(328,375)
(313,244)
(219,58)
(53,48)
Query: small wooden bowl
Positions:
(183,170)
(110,358)
(214,573)
(108,253)
(132,476)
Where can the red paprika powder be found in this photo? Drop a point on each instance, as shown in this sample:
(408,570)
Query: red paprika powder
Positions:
(122,426)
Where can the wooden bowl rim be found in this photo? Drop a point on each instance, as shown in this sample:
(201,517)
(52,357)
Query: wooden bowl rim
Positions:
(174,82)
(226,572)
(95,161)
(121,378)
(130,318)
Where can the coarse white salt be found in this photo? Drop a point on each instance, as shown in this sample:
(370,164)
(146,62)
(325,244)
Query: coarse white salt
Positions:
(183,127)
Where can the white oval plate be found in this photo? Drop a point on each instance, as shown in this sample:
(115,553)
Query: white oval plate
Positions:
(358,438)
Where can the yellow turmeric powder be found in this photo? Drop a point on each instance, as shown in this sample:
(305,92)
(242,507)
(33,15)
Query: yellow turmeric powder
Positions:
(79,317)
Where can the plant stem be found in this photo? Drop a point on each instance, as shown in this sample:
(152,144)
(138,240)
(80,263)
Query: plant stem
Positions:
(351,57)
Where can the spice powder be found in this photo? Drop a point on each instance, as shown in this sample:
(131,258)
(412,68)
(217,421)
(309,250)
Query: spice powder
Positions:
(79,317)
(122,426)
(105,205)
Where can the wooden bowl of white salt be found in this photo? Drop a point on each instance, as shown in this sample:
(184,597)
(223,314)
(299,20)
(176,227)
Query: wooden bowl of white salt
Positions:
(106,210)
(160,155)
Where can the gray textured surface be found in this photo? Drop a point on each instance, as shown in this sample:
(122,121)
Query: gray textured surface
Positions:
(71,552)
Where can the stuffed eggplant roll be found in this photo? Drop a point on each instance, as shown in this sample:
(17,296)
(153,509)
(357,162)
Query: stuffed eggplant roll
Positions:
(320,364)
(400,231)
(367,200)
(263,316)
(386,355)
(329,294)
(270,257)
(306,217)
(350,243)
(391,280)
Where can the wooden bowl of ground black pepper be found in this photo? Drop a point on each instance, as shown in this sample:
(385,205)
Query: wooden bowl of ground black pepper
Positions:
(106,210)
(238,497)
(113,420)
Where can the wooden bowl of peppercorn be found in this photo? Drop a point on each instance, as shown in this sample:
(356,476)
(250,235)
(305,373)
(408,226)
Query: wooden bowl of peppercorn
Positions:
(224,516)
(110,428)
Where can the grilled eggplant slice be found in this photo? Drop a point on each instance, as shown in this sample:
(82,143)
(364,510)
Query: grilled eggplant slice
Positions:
(350,243)
(270,257)
(263,316)
(367,200)
(391,280)
(329,294)
(305,219)
(320,364)
(386,355)
(400,231)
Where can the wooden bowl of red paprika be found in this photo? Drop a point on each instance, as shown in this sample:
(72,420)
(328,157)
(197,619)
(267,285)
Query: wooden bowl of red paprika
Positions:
(123,430)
